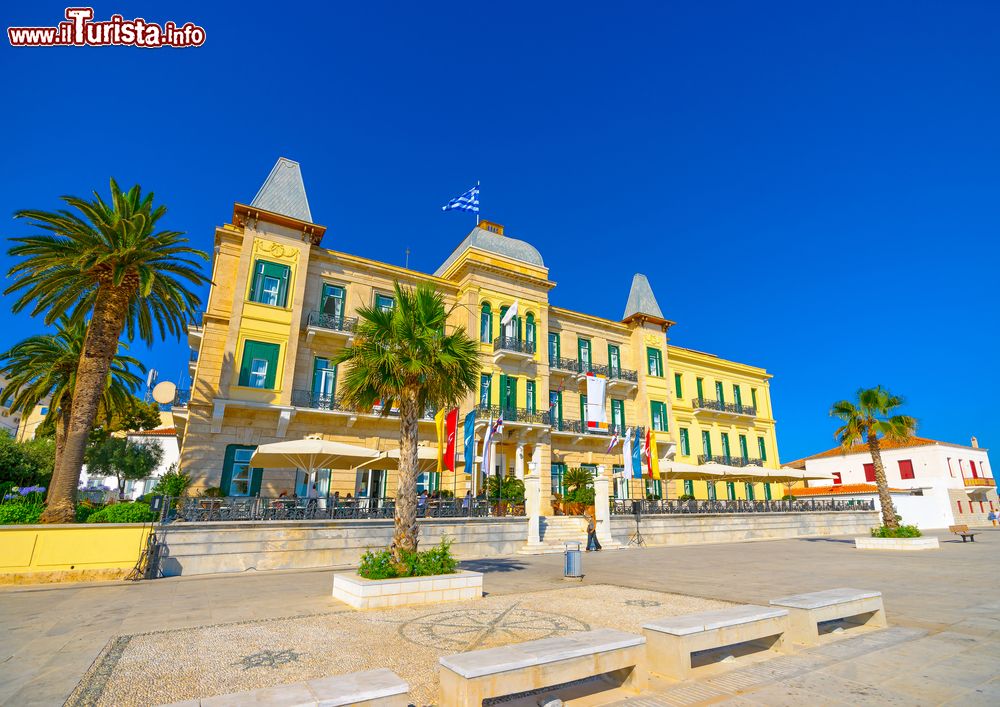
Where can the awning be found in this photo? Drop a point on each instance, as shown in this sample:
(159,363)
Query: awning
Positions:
(426,460)
(311,454)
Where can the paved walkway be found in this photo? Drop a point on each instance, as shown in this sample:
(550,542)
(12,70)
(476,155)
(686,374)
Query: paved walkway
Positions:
(944,606)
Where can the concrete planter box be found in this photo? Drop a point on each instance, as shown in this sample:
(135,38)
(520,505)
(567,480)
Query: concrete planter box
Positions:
(904,544)
(363,593)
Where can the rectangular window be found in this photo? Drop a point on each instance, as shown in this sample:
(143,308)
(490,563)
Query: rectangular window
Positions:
(654,359)
(837,478)
(583,351)
(618,415)
(384,302)
(725,446)
(700,385)
(753,397)
(750,493)
(762,449)
(529,396)
(658,416)
(553,348)
(720,393)
(324,378)
(259,365)
(906,469)
(688,487)
(555,408)
(678,388)
(685,442)
(621,483)
(270,283)
(706,443)
(767,492)
(332,302)
(556,475)
(654,489)
(870,473)
(710,488)
(508,392)
(737,395)
(486,324)
(744,452)
(731,490)
(583,410)
(485,394)
(238,479)
(614,361)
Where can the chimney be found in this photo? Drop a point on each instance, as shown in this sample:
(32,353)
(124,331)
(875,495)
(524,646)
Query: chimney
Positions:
(975,443)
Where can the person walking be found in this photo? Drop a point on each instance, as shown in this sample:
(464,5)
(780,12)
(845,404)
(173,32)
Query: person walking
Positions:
(592,542)
(992,517)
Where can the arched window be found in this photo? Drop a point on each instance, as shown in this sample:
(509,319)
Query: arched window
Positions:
(486,324)
(529,330)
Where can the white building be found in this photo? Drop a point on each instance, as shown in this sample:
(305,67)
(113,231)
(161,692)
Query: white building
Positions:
(935,484)
(165,437)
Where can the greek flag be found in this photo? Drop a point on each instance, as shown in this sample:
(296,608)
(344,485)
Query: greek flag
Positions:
(469,201)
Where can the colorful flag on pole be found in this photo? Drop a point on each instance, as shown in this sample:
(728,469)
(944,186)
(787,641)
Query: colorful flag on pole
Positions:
(627,453)
(451,431)
(492,430)
(612,442)
(469,433)
(653,457)
(505,322)
(468,201)
(439,429)
(637,454)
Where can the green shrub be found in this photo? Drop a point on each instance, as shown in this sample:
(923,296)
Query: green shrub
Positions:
(580,495)
(173,483)
(86,509)
(685,497)
(377,564)
(903,531)
(123,513)
(510,488)
(18,512)
(212,492)
(788,497)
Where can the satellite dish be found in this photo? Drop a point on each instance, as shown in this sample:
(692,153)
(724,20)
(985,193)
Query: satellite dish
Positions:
(164,392)
(151,377)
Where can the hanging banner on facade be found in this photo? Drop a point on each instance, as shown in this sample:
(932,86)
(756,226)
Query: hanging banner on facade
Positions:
(637,453)
(597,392)
(469,438)
(451,431)
(439,429)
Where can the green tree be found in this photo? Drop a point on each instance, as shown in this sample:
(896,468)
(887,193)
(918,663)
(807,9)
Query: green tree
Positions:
(137,415)
(868,420)
(124,459)
(25,463)
(42,369)
(407,354)
(578,478)
(108,261)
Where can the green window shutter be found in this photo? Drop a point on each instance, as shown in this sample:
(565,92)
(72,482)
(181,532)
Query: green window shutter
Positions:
(688,487)
(529,329)
(264,269)
(767,492)
(618,414)
(678,389)
(737,394)
(583,355)
(731,490)
(485,382)
(706,443)
(256,476)
(750,493)
(762,448)
(685,442)
(512,393)
(743,447)
(720,393)
(332,303)
(753,396)
(583,409)
(227,468)
(654,362)
(553,347)
(725,445)
(529,394)
(700,384)
(710,488)
(259,350)
(384,301)
(486,324)
(614,360)
(503,392)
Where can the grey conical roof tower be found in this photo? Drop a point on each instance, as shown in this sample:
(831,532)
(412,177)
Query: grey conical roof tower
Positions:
(641,300)
(283,192)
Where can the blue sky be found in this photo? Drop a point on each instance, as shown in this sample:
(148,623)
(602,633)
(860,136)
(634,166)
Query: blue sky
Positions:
(811,188)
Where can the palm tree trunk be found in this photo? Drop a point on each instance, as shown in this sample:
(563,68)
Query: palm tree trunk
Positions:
(884,499)
(62,427)
(106,324)
(404,537)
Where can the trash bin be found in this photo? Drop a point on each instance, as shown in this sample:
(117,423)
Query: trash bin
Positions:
(573,567)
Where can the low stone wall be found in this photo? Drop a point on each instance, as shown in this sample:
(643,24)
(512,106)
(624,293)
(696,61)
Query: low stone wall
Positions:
(208,548)
(684,529)
(32,554)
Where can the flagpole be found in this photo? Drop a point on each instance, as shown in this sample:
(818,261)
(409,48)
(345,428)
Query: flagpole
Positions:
(480,195)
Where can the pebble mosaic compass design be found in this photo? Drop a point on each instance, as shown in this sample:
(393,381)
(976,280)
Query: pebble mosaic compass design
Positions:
(268,659)
(471,629)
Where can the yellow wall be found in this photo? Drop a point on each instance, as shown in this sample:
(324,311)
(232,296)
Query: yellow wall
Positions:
(73,552)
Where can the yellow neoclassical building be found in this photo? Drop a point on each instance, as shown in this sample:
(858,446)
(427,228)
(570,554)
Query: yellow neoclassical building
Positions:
(282,304)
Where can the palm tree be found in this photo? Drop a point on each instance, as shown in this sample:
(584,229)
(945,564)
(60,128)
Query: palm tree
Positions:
(577,478)
(405,354)
(868,421)
(45,365)
(108,262)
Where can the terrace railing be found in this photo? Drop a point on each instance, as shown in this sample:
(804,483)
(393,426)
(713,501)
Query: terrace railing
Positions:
(719,406)
(623,507)
(512,343)
(332,322)
(486,412)
(729,461)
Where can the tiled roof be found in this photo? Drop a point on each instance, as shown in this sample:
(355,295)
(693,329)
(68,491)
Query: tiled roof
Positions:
(283,192)
(884,444)
(161,432)
(494,243)
(838,489)
(641,299)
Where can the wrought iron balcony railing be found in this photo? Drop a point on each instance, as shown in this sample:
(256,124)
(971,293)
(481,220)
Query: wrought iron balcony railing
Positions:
(512,343)
(485,412)
(580,427)
(316,401)
(560,363)
(719,406)
(576,366)
(729,461)
(333,323)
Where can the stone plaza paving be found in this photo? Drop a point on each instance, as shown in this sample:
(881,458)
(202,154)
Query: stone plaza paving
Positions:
(118,643)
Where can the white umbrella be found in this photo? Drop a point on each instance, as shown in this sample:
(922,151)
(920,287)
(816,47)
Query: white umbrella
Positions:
(311,454)
(679,470)
(426,460)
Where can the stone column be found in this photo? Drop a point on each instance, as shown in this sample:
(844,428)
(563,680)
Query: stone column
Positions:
(532,507)
(602,514)
(519,461)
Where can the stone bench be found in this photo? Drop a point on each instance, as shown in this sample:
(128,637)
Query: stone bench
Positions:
(371,688)
(469,678)
(806,611)
(671,641)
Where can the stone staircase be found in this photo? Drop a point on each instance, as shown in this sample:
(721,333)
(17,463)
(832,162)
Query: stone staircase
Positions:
(555,531)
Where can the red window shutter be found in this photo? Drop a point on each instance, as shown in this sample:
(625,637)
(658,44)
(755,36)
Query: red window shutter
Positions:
(870,472)
(959,506)
(905,469)
(981,507)
(836,478)
(972,465)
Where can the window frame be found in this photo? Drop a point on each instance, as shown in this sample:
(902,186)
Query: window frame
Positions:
(661,407)
(266,351)
(654,359)
(678,386)
(486,323)
(268,269)
(685,439)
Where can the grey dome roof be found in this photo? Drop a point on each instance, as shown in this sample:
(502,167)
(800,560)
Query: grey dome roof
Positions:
(283,191)
(494,243)
(641,299)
